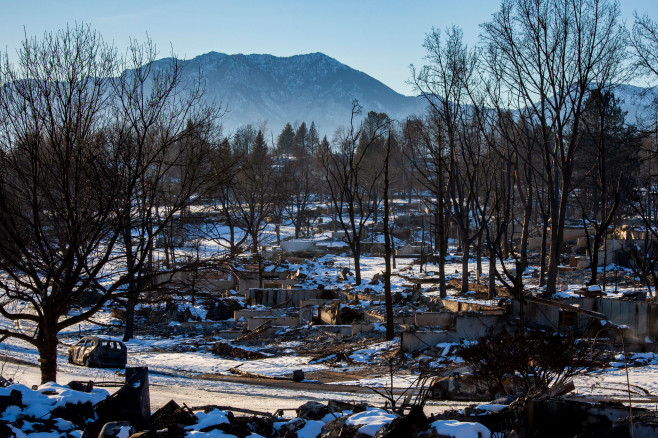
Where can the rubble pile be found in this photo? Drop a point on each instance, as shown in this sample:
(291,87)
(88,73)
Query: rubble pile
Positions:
(60,411)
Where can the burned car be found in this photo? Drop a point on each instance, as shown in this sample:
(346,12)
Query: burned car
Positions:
(92,351)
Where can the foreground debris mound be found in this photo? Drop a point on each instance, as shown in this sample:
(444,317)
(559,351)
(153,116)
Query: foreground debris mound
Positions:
(62,411)
(56,410)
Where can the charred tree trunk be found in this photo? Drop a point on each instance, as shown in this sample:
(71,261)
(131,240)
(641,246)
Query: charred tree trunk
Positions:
(557,237)
(542,256)
(131,297)
(525,232)
(47,347)
(478,254)
(466,252)
(492,273)
(387,251)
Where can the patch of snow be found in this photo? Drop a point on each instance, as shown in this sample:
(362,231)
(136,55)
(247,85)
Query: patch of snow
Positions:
(371,421)
(491,407)
(212,418)
(458,429)
(311,429)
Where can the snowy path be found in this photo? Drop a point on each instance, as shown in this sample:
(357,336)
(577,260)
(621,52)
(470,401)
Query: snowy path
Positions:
(200,392)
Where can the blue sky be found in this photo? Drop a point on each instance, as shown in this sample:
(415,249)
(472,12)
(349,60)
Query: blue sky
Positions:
(380,38)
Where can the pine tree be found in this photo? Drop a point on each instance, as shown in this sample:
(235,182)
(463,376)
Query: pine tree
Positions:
(285,141)
(299,142)
(313,139)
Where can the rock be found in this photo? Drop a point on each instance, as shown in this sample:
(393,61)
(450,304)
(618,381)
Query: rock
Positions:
(407,426)
(458,388)
(116,429)
(172,414)
(345,274)
(78,385)
(313,411)
(376,279)
(297,375)
(292,426)
(243,427)
(338,429)
(76,413)
(15,398)
(339,406)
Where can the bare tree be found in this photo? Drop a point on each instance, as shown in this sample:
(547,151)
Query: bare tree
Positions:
(59,184)
(220,203)
(164,135)
(388,245)
(645,200)
(301,182)
(255,191)
(608,162)
(68,185)
(353,197)
(444,83)
(548,54)
(644,40)
(428,153)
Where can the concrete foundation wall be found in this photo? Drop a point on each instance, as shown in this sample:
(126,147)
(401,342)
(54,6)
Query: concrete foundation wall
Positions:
(434,319)
(362,328)
(317,302)
(278,297)
(460,306)
(268,283)
(228,334)
(637,315)
(466,327)
(413,341)
(281,321)
(345,330)
(248,313)
(473,327)
(633,314)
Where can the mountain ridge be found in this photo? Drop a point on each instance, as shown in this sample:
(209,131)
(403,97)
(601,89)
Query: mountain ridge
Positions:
(258,88)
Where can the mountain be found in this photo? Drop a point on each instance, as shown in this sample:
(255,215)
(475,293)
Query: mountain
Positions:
(636,102)
(312,87)
(315,87)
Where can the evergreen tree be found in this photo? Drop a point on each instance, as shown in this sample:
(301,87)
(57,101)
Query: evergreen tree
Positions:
(285,141)
(299,142)
(313,139)
(260,146)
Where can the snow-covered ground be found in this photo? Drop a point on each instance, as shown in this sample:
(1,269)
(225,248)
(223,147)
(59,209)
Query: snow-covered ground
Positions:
(182,365)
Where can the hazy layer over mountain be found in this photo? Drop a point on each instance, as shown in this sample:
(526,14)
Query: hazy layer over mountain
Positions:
(637,103)
(313,87)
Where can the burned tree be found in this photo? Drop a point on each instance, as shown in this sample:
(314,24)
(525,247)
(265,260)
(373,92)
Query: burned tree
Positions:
(68,183)
(548,54)
(353,195)
(444,83)
(163,136)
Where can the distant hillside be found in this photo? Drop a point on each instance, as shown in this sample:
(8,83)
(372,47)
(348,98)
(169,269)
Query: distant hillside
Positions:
(313,87)
(316,87)
(636,102)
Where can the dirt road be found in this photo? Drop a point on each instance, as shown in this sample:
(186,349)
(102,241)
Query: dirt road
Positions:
(239,392)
